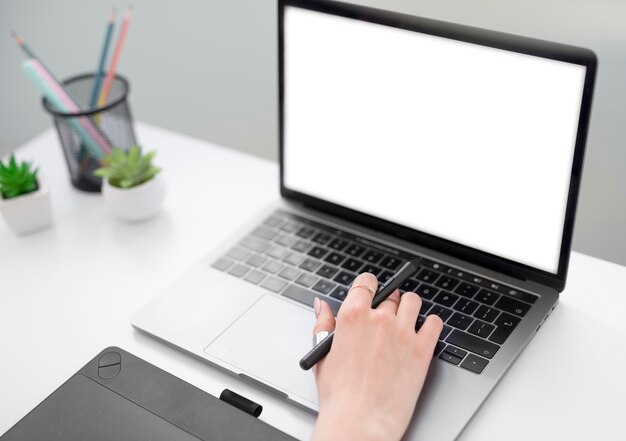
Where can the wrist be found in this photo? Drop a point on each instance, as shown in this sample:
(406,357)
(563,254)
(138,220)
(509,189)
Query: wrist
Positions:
(342,425)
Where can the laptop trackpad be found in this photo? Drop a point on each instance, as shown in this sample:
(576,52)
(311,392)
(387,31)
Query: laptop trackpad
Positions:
(267,342)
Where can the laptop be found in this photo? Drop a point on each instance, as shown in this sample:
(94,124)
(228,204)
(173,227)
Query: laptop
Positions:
(400,137)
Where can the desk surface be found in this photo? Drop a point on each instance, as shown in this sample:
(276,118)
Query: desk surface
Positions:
(69,291)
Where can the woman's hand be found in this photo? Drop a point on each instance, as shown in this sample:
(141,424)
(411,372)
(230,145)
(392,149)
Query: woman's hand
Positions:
(369,382)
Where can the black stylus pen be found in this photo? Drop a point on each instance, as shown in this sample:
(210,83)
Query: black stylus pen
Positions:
(384,291)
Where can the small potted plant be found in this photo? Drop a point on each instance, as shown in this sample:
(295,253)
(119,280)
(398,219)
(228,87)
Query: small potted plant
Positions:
(132,186)
(24,199)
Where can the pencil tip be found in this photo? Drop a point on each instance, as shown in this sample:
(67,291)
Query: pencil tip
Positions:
(17,38)
(113,12)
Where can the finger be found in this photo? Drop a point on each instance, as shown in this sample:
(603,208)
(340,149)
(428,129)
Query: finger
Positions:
(325,319)
(325,322)
(391,303)
(429,333)
(360,293)
(409,309)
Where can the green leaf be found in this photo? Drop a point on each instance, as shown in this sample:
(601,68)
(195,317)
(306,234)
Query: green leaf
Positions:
(16,178)
(126,169)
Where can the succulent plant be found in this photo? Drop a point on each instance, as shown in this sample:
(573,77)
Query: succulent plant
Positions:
(127,169)
(17,179)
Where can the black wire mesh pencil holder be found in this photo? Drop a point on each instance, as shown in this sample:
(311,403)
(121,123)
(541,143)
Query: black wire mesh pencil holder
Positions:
(112,121)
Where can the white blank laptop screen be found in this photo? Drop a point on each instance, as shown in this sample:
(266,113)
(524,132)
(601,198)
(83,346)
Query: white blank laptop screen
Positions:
(465,142)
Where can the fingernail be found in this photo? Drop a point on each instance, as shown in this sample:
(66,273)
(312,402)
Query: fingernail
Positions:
(317,306)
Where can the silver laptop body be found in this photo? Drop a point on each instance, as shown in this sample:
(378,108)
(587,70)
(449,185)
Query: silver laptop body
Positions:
(399,137)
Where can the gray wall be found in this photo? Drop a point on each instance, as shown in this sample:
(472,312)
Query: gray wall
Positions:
(208,68)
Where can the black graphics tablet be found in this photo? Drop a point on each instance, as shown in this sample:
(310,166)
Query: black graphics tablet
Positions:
(117,396)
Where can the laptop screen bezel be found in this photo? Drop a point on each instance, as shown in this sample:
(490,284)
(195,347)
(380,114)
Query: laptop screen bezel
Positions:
(498,40)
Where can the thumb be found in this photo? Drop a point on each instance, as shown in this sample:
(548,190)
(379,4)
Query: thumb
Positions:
(325,318)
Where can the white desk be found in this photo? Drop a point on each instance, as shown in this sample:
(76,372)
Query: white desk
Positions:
(68,292)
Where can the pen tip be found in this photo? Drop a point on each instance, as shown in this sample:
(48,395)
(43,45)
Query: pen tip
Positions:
(113,12)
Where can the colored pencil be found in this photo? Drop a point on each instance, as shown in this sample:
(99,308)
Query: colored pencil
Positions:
(108,82)
(28,51)
(91,136)
(97,85)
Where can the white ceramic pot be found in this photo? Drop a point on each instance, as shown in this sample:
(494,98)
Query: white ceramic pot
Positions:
(136,203)
(29,212)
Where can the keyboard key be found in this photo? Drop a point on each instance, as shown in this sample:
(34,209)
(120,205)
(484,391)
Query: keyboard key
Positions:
(474,363)
(372,256)
(256,260)
(289,226)
(307,297)
(384,276)
(222,264)
(310,264)
(265,233)
(276,252)
(419,322)
(427,276)
(486,313)
(338,244)
(301,245)
(286,241)
(317,252)
(334,258)
(368,268)
(485,296)
(466,306)
(255,243)
(426,291)
(391,262)
(321,238)
(289,273)
(409,285)
(354,250)
(352,264)
(426,305)
(340,293)
(455,351)
(472,343)
(307,280)
(443,313)
(345,278)
(274,284)
(447,282)
(450,358)
(460,321)
(293,258)
(505,323)
(446,299)
(466,289)
(306,232)
(272,266)
(255,276)
(324,286)
(513,306)
(238,270)
(272,221)
(481,329)
(238,253)
(327,271)
(439,347)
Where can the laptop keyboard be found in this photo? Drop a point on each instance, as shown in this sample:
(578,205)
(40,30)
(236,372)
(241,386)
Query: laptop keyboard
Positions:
(302,259)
